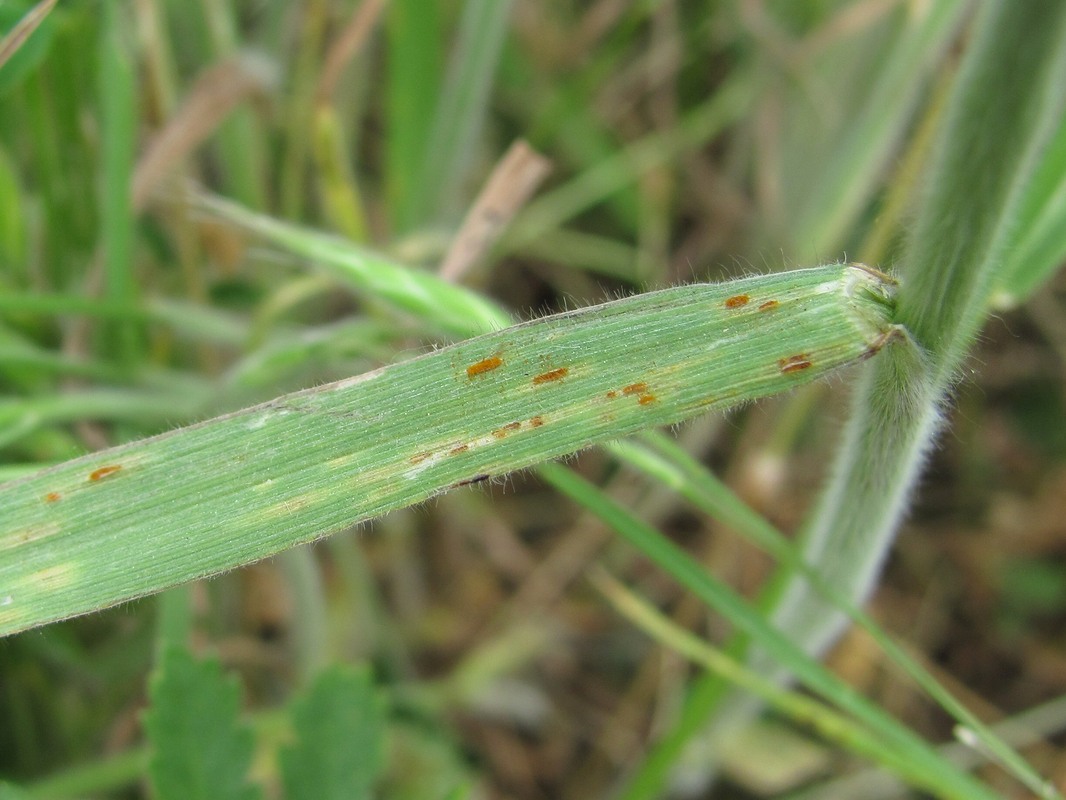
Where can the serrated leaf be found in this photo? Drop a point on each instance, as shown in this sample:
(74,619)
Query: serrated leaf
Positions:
(199,747)
(340,733)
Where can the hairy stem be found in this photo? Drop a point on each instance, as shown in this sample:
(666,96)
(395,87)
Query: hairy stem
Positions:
(1001,114)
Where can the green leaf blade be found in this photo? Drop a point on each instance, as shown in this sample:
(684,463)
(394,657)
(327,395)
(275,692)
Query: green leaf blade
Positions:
(200,751)
(340,739)
(138,518)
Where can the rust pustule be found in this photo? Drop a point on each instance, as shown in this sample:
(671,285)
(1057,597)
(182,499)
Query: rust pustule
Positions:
(737,300)
(483,366)
(510,427)
(796,363)
(102,472)
(551,375)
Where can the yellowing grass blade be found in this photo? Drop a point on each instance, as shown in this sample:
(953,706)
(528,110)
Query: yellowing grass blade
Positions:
(135,519)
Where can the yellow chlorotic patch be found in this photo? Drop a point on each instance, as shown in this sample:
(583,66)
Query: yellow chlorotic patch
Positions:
(33,533)
(10,616)
(341,461)
(292,505)
(51,578)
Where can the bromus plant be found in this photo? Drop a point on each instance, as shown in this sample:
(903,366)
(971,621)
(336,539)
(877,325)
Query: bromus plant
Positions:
(125,522)
(193,384)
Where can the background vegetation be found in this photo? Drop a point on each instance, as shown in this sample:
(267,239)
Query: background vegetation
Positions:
(685,141)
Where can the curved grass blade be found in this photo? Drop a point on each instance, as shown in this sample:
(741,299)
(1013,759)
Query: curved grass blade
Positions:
(138,518)
(15,38)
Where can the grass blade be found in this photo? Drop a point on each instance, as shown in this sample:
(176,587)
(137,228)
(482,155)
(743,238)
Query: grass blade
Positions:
(1002,115)
(135,519)
(952,258)
(23,30)
(118,114)
(435,302)
(460,109)
(1041,235)
(415,54)
(924,765)
(828,203)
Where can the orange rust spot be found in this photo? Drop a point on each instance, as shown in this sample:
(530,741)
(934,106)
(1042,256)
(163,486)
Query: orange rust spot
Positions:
(536,421)
(769,305)
(611,395)
(420,457)
(796,363)
(52,497)
(459,448)
(103,472)
(552,375)
(635,388)
(484,365)
(737,300)
(645,399)
(500,433)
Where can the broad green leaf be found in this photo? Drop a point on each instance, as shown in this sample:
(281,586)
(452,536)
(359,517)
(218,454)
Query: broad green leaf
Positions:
(340,729)
(200,750)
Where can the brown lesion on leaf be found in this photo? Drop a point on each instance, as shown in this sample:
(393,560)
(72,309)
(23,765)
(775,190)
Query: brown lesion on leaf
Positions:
(470,481)
(53,497)
(510,427)
(483,366)
(737,301)
(769,305)
(551,376)
(418,458)
(536,422)
(639,390)
(794,363)
(102,472)
(459,448)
